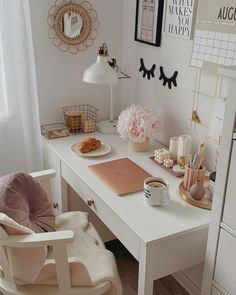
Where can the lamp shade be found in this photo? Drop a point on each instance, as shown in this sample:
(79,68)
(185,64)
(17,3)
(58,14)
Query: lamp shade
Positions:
(100,73)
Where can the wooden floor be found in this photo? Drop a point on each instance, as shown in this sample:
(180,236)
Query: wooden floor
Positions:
(128,270)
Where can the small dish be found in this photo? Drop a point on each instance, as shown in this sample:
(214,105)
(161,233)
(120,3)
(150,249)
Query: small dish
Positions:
(104,149)
(178,169)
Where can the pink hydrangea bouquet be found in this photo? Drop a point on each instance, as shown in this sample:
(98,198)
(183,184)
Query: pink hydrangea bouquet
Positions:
(138,123)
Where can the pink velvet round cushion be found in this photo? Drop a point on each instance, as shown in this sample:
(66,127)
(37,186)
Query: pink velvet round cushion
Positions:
(23,199)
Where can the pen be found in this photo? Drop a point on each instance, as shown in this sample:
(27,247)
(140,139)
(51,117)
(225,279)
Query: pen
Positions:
(197,155)
(194,160)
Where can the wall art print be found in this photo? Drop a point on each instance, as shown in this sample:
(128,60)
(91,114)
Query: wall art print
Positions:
(180,17)
(148,25)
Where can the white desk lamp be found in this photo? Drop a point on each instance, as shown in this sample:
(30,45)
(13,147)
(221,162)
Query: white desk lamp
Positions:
(104,72)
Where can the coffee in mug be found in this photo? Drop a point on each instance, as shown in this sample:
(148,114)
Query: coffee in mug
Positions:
(156,191)
(156,184)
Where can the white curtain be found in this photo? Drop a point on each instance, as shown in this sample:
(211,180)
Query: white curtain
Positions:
(20,141)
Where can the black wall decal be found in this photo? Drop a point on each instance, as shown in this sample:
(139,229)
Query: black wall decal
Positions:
(169,81)
(146,72)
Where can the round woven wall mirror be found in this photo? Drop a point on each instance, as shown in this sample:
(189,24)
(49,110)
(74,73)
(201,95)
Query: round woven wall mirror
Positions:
(73,25)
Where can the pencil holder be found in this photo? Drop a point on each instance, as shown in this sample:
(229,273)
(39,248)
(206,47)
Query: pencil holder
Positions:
(191,176)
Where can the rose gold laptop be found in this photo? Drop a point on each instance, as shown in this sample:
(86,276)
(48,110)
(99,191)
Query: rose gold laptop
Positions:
(123,176)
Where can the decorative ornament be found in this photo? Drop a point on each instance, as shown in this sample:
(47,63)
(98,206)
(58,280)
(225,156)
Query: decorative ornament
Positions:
(73,25)
(195,117)
(168,163)
(197,191)
(147,72)
(161,155)
(169,81)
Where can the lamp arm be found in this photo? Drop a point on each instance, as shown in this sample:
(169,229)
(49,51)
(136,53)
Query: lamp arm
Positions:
(124,76)
(116,68)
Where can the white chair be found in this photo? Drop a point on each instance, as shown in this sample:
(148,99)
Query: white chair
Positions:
(57,240)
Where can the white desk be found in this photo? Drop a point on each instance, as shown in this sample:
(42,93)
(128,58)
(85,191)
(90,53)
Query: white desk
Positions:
(163,239)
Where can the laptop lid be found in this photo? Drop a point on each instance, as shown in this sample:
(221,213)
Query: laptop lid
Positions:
(122,176)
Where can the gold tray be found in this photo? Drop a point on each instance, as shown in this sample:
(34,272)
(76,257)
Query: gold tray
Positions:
(204,203)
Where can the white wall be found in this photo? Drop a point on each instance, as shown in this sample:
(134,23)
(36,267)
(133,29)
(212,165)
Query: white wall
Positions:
(59,74)
(175,105)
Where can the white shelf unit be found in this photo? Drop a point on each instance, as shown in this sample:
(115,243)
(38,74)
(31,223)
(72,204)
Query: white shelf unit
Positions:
(220,263)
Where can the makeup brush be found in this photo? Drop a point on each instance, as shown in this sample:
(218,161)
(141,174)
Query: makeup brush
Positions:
(199,162)
(197,155)
(201,148)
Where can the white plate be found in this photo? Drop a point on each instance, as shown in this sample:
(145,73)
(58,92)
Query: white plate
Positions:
(103,150)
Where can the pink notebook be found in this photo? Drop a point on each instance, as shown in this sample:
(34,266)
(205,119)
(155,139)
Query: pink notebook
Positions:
(123,176)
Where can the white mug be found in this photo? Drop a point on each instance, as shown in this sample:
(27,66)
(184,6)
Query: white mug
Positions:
(156,191)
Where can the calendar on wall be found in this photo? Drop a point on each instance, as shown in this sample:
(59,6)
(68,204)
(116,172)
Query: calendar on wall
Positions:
(215,33)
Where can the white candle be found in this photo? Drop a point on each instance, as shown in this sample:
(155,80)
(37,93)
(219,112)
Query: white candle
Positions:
(173,147)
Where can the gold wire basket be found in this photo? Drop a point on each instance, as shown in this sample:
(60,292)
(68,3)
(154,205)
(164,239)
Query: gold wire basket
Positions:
(80,118)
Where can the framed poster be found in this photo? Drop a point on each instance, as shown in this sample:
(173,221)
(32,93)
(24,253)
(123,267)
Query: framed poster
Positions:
(180,17)
(148,23)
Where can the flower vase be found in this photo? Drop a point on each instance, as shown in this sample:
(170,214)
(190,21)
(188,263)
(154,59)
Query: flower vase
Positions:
(139,146)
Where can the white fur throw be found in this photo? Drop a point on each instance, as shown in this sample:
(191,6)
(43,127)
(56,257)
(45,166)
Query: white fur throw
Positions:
(90,263)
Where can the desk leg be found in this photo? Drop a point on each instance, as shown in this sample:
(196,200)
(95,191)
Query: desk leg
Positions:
(62,189)
(146,267)
(64,195)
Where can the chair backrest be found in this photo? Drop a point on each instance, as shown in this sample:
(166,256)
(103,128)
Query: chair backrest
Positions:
(45,177)
(57,240)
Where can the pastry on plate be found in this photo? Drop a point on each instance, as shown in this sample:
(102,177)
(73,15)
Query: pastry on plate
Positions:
(88,145)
